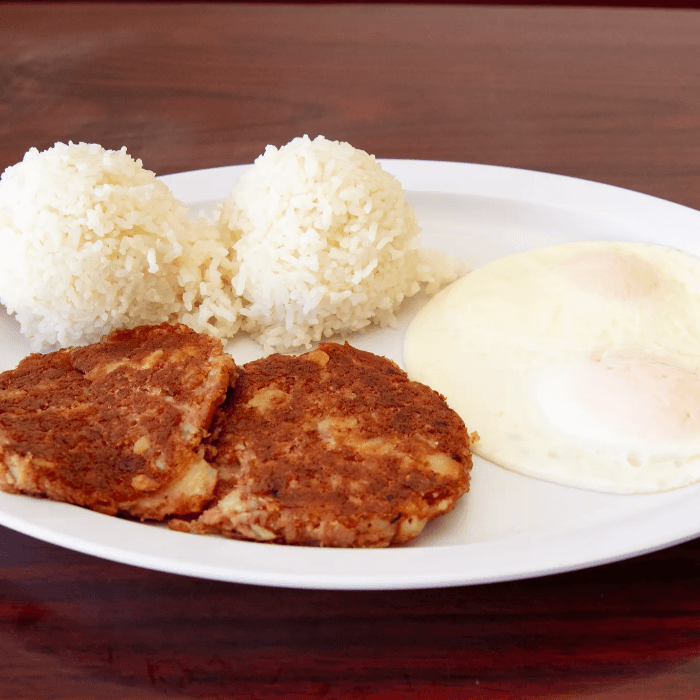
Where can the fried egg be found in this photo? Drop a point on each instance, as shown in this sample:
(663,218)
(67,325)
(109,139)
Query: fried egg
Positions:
(577,363)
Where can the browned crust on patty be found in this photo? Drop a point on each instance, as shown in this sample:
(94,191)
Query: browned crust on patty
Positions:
(115,426)
(336,447)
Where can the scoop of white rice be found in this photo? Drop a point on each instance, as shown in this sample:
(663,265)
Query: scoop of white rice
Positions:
(315,239)
(91,241)
(325,243)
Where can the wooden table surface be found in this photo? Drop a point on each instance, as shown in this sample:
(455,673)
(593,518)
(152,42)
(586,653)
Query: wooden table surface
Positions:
(611,95)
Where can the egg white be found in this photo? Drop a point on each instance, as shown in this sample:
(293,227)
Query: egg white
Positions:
(577,363)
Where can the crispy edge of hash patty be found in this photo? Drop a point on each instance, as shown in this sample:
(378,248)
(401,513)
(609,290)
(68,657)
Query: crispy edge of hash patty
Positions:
(115,426)
(336,447)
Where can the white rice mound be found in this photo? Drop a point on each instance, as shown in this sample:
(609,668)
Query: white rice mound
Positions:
(91,242)
(325,243)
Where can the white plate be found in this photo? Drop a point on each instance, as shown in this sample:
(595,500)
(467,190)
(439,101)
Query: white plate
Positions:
(508,526)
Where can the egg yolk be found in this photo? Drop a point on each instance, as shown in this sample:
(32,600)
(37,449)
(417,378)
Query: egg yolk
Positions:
(614,398)
(611,274)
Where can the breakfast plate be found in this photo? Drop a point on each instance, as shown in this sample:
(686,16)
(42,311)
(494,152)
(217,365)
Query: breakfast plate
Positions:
(508,526)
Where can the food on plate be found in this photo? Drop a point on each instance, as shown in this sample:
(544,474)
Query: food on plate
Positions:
(577,363)
(115,426)
(335,447)
(92,242)
(325,243)
(315,239)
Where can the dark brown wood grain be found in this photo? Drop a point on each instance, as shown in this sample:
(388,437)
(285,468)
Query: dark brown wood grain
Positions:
(87,628)
(607,94)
